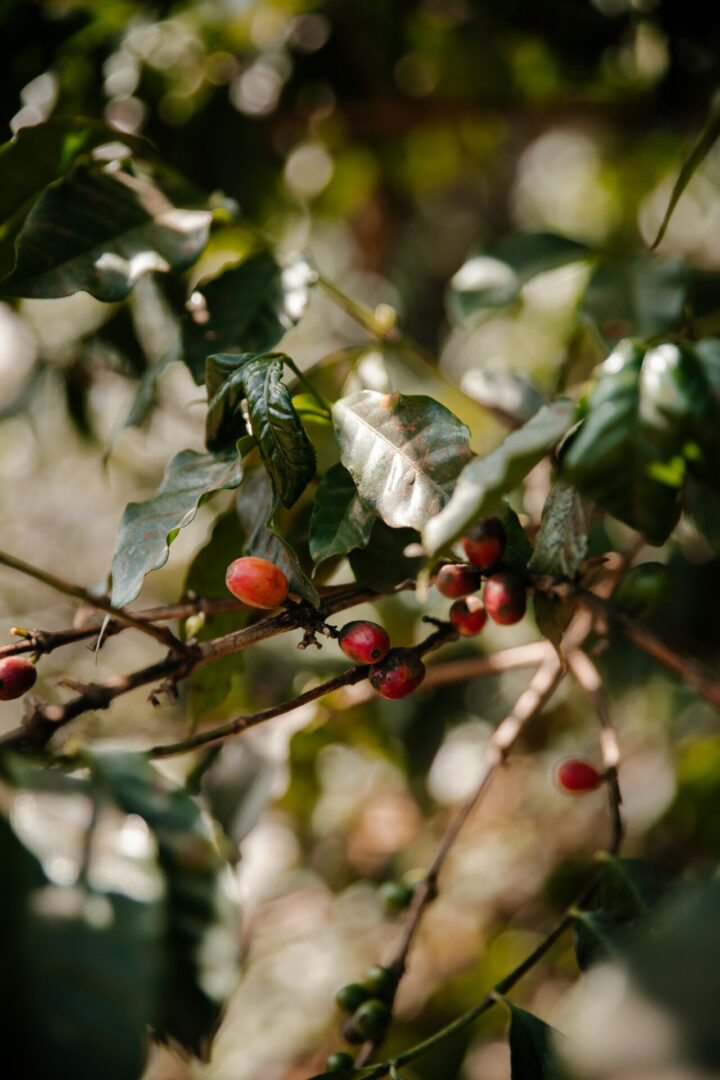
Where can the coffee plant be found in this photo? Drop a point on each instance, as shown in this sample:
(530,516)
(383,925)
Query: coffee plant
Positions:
(371,538)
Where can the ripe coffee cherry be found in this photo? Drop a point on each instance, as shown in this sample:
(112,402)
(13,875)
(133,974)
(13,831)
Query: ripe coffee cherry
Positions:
(17,675)
(257,582)
(458,580)
(364,642)
(372,1019)
(485,543)
(504,597)
(350,997)
(468,616)
(643,590)
(381,981)
(338,1061)
(398,674)
(576,777)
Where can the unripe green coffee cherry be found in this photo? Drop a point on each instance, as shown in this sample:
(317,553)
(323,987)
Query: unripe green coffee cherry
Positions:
(372,1018)
(381,981)
(396,895)
(338,1061)
(351,996)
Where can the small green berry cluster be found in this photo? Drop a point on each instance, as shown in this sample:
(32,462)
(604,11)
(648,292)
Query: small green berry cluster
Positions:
(368,1005)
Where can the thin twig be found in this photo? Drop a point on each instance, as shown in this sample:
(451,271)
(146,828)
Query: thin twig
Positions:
(532,700)
(161,634)
(44,719)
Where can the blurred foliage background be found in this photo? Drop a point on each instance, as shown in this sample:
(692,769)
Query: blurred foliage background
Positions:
(390,140)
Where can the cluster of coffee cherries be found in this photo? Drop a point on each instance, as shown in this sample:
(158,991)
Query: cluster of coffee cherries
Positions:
(504,596)
(368,1006)
(394,673)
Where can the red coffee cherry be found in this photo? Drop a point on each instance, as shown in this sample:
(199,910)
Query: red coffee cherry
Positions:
(17,675)
(468,616)
(485,543)
(576,777)
(257,582)
(398,674)
(504,597)
(457,579)
(364,642)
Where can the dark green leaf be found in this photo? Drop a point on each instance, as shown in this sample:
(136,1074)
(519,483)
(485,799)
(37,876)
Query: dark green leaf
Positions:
(225,383)
(532,1047)
(518,549)
(383,564)
(340,520)
(493,278)
(191,866)
(599,935)
(677,964)
(629,891)
(286,450)
(552,615)
(485,480)
(147,529)
(35,157)
(631,887)
(644,296)
(256,506)
(247,308)
(708,137)
(79,982)
(100,231)
(703,506)
(403,452)
(563,538)
(627,454)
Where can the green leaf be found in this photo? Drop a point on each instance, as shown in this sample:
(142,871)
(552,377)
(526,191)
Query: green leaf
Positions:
(247,308)
(703,506)
(340,520)
(383,564)
(100,231)
(286,450)
(643,296)
(708,137)
(598,936)
(564,535)
(552,615)
(148,528)
(627,455)
(518,549)
(237,787)
(255,507)
(191,866)
(676,963)
(80,977)
(629,891)
(485,480)
(403,452)
(532,1042)
(35,157)
(225,382)
(493,278)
